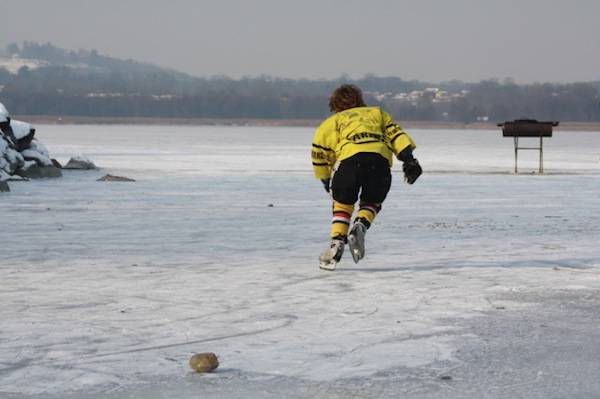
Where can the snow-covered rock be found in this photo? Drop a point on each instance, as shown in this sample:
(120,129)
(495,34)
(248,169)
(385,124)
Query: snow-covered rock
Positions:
(35,171)
(4,164)
(23,133)
(38,147)
(38,153)
(5,128)
(10,159)
(27,165)
(20,153)
(80,162)
(4,115)
(20,129)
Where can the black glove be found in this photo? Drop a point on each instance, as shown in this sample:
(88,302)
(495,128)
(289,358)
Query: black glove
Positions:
(326,184)
(412,171)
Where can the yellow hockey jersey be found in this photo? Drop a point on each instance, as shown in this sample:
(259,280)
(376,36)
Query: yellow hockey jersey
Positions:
(361,129)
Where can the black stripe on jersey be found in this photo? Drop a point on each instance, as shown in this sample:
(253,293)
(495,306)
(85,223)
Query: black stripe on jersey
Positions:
(322,148)
(370,141)
(395,137)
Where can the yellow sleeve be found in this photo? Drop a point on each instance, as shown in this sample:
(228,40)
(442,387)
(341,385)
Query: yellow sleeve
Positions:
(323,149)
(397,137)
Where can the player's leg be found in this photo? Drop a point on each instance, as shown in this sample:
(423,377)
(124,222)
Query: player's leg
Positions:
(342,214)
(340,223)
(375,180)
(367,211)
(344,189)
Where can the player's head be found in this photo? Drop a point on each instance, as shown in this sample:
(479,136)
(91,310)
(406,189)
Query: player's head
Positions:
(345,97)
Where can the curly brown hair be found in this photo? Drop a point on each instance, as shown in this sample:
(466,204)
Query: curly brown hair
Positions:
(345,97)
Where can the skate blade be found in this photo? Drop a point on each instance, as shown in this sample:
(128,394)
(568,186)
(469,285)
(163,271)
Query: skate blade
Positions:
(354,250)
(328,266)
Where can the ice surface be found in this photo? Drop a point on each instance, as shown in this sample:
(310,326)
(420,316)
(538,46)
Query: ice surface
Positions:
(108,289)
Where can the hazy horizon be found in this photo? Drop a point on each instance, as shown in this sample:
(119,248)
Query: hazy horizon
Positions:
(468,40)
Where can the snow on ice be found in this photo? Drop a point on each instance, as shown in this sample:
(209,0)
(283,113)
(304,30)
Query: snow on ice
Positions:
(476,283)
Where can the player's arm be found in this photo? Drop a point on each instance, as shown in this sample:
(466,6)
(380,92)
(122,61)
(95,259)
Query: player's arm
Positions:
(397,138)
(323,149)
(402,146)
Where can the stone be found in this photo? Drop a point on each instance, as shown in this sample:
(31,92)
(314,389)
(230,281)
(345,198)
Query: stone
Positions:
(23,133)
(56,163)
(114,178)
(204,362)
(80,163)
(4,187)
(39,158)
(40,172)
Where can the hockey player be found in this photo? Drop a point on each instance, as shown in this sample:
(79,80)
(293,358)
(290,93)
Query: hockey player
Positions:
(362,141)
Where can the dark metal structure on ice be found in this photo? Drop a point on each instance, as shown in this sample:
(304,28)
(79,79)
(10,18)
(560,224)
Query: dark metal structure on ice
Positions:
(528,128)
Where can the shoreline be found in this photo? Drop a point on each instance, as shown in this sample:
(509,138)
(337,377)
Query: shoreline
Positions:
(425,125)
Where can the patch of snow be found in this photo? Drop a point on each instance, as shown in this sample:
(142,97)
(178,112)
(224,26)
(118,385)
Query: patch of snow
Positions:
(38,147)
(82,158)
(10,159)
(20,128)
(37,155)
(4,115)
(28,164)
(13,64)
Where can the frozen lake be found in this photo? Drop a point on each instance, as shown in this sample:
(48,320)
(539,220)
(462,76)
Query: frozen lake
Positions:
(476,283)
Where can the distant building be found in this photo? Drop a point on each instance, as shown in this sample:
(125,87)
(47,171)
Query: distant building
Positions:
(432,94)
(14,63)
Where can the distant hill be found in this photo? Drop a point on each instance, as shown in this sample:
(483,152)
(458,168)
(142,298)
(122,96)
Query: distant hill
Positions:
(42,79)
(50,55)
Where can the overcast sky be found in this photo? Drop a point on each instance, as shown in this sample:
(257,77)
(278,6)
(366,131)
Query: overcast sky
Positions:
(432,40)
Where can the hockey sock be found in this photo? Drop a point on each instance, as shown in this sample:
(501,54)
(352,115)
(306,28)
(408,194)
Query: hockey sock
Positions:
(341,219)
(367,212)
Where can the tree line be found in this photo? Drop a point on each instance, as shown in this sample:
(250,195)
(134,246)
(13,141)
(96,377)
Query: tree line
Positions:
(84,83)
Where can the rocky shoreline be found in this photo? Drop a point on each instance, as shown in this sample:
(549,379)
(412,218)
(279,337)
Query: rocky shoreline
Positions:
(22,156)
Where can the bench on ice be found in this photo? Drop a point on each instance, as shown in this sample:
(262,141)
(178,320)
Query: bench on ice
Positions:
(528,128)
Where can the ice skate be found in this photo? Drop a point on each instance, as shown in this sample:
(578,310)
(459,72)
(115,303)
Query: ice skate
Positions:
(356,241)
(332,255)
